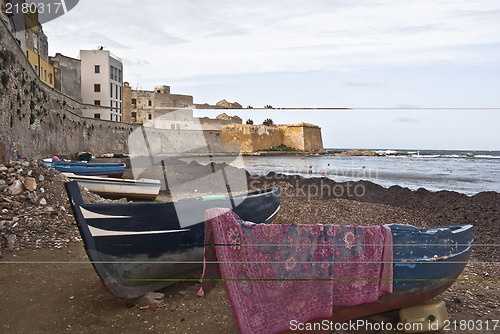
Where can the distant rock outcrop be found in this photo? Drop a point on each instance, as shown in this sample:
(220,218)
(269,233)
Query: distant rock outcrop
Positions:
(357,152)
(233,119)
(228,105)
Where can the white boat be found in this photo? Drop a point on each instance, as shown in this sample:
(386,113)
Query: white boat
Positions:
(146,189)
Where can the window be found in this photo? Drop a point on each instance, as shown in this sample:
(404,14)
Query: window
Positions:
(97,88)
(98,116)
(27,55)
(36,70)
(120,93)
(134,103)
(149,103)
(134,116)
(45,75)
(116,90)
(97,68)
(111,89)
(119,75)
(150,116)
(97,102)
(50,78)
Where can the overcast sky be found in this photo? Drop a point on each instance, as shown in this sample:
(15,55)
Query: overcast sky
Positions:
(295,53)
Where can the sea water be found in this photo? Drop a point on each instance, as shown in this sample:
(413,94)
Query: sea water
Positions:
(468,172)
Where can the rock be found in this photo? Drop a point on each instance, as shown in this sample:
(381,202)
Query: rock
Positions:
(16,188)
(11,241)
(152,298)
(11,170)
(3,185)
(41,178)
(33,198)
(43,201)
(2,224)
(3,169)
(30,184)
(153,306)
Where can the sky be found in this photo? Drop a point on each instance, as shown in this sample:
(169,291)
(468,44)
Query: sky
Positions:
(397,56)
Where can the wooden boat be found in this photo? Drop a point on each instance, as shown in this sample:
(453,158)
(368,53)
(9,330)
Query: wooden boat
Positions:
(87,168)
(145,241)
(155,240)
(145,189)
(426,263)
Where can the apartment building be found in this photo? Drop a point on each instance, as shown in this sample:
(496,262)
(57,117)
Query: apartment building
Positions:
(101,83)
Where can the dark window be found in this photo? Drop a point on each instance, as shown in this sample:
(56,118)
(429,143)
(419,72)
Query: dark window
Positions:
(50,78)
(97,68)
(149,103)
(134,116)
(27,55)
(120,93)
(97,88)
(134,103)
(111,89)
(150,116)
(97,116)
(116,87)
(97,102)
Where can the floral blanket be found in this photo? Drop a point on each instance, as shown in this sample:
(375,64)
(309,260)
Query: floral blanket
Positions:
(275,273)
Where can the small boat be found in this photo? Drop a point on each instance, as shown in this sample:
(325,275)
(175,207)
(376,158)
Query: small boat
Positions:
(158,241)
(145,189)
(87,168)
(146,241)
(426,262)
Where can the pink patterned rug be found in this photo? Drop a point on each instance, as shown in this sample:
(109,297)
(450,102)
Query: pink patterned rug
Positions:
(275,273)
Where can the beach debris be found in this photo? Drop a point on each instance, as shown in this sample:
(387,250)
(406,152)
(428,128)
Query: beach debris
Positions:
(16,188)
(24,187)
(152,297)
(30,184)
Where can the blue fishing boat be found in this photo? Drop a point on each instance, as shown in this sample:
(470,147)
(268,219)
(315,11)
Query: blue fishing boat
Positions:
(87,168)
(146,241)
(159,241)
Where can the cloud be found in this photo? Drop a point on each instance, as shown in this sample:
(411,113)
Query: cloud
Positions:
(406,120)
(364,84)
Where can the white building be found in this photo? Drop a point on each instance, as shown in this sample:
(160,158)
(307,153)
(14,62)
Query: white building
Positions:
(102,78)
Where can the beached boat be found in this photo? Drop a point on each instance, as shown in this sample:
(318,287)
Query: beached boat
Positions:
(426,263)
(155,241)
(87,168)
(146,189)
(145,241)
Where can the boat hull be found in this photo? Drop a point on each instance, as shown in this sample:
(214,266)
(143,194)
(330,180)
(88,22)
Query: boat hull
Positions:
(145,241)
(89,169)
(116,188)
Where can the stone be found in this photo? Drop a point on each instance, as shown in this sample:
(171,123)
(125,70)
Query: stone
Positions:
(30,184)
(3,185)
(41,178)
(2,224)
(3,169)
(152,298)
(16,188)
(11,242)
(33,198)
(43,201)
(11,170)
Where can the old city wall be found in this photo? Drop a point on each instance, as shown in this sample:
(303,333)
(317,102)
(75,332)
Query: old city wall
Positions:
(313,142)
(303,137)
(252,138)
(37,121)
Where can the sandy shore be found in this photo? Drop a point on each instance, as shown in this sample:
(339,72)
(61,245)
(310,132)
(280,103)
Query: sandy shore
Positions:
(57,291)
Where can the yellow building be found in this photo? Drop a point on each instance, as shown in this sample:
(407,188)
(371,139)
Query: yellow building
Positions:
(37,49)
